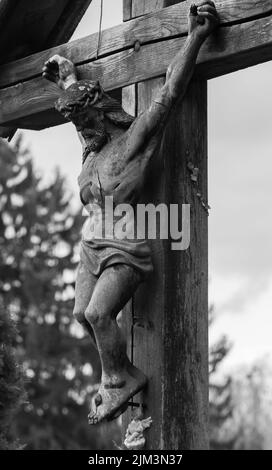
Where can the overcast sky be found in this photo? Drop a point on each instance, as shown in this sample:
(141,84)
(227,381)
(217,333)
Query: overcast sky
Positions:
(240,193)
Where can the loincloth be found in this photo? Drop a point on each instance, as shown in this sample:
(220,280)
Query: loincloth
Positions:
(97,255)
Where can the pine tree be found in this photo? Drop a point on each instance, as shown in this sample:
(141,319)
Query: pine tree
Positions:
(11,382)
(221,404)
(39,235)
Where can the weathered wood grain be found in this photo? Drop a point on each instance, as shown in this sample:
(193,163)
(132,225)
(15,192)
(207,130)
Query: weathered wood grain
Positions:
(142,7)
(127,6)
(167,23)
(27,27)
(167,327)
(185,326)
(232,49)
(70,18)
(129,103)
(149,301)
(143,323)
(241,6)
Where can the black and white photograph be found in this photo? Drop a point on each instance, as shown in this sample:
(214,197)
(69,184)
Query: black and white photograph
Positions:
(135,229)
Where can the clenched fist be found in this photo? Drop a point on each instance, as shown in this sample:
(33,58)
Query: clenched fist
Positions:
(60,71)
(203,19)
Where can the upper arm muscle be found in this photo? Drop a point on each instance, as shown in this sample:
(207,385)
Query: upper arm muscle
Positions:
(148,123)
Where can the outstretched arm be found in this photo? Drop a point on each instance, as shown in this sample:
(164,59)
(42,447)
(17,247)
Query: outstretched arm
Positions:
(203,19)
(62,71)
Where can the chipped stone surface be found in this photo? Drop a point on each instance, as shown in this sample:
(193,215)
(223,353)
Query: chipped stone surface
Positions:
(135,439)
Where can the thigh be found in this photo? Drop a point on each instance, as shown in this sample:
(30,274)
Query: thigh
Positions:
(85,284)
(114,288)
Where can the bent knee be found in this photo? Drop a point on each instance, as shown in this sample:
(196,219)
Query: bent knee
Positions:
(95,317)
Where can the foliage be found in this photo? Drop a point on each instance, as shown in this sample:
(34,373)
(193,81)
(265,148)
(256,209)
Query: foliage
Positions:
(252,415)
(240,406)
(39,235)
(11,382)
(221,403)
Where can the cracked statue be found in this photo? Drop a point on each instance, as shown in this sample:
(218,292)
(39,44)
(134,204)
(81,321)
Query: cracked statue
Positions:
(118,152)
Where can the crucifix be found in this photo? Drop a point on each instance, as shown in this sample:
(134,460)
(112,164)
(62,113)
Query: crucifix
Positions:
(118,154)
(166,322)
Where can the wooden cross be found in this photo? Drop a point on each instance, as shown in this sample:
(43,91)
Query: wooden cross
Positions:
(167,322)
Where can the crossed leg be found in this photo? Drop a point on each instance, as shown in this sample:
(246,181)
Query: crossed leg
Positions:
(120,379)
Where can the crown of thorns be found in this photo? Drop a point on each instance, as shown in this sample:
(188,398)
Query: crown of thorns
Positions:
(85,94)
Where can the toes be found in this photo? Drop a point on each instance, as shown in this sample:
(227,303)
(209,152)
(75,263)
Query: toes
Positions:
(93,416)
(92,419)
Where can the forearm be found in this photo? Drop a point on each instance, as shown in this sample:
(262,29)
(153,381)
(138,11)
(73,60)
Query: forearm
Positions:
(181,69)
(179,73)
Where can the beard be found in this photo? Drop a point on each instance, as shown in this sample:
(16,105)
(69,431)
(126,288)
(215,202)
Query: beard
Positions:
(76,105)
(95,135)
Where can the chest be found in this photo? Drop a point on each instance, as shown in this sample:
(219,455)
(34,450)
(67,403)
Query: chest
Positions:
(111,167)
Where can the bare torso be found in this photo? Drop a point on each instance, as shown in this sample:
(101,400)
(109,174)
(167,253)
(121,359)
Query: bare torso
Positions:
(119,169)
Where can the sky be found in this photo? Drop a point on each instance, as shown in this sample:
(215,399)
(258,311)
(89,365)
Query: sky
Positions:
(240,193)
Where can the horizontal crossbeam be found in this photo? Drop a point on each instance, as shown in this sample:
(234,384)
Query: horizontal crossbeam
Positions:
(243,39)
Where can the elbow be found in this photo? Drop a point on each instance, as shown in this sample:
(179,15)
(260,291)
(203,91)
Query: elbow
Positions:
(175,92)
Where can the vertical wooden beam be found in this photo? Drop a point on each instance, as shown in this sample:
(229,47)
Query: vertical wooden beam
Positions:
(142,7)
(127,5)
(167,322)
(185,316)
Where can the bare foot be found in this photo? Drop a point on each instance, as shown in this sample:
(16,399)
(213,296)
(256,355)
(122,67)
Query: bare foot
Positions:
(109,403)
(60,71)
(134,371)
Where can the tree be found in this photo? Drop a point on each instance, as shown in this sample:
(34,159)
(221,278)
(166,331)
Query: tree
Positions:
(240,406)
(39,235)
(11,382)
(252,415)
(221,403)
